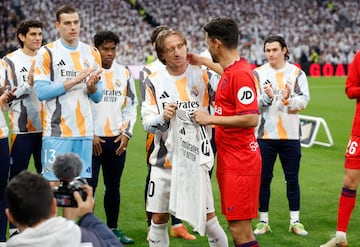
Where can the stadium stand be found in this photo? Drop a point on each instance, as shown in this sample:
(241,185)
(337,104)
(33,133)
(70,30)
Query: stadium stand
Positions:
(332,28)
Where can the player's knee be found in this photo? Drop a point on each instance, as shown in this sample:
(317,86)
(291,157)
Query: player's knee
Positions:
(160,218)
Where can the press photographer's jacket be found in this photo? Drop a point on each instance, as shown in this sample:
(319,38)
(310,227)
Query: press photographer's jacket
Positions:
(60,232)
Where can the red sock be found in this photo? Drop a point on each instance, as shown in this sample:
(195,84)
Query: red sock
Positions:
(346,206)
(249,244)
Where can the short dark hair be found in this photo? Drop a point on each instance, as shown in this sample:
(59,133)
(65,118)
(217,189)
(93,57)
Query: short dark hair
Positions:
(224,29)
(160,48)
(64,9)
(156,32)
(281,40)
(29,198)
(105,36)
(24,26)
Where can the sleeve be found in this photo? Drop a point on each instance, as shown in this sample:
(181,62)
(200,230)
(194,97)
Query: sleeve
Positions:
(152,118)
(43,86)
(95,231)
(44,90)
(21,91)
(130,108)
(263,99)
(142,76)
(97,96)
(352,85)
(301,96)
(244,92)
(3,105)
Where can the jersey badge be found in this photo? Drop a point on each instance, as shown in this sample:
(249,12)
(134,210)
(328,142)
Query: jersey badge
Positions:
(246,95)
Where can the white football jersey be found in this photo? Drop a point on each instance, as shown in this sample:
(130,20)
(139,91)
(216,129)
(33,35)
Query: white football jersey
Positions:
(278,119)
(25,110)
(4,131)
(116,112)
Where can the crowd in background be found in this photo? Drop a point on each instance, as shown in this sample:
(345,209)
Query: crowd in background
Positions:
(320,31)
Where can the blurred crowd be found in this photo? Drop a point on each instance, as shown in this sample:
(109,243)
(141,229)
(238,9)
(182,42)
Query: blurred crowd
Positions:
(320,31)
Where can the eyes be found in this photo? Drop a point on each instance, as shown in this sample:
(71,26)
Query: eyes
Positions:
(172,49)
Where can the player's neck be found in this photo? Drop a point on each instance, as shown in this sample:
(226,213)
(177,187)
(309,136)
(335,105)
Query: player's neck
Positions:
(28,51)
(70,43)
(278,66)
(228,58)
(176,70)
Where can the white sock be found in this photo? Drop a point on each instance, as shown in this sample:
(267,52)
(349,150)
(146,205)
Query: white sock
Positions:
(216,234)
(340,235)
(158,235)
(264,217)
(294,217)
(13,230)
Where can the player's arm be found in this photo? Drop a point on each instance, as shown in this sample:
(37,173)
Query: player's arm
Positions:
(142,76)
(130,107)
(352,86)
(264,91)
(237,121)
(298,100)
(155,119)
(199,60)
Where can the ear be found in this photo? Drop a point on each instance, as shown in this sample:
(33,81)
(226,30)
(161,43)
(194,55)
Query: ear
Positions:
(21,37)
(217,43)
(57,24)
(10,216)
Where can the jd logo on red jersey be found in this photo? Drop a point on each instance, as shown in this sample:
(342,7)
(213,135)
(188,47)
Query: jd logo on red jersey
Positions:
(246,95)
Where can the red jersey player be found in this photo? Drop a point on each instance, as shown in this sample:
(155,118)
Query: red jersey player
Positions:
(352,161)
(236,116)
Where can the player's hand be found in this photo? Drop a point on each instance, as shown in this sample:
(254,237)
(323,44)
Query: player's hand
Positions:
(202,117)
(80,77)
(8,96)
(124,141)
(86,206)
(97,150)
(194,59)
(269,91)
(92,81)
(169,111)
(286,91)
(31,74)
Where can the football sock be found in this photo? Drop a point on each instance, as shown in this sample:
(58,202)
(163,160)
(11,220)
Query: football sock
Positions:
(216,234)
(346,206)
(249,244)
(264,217)
(341,235)
(294,217)
(158,235)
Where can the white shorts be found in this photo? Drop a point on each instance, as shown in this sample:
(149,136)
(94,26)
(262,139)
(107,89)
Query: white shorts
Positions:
(158,194)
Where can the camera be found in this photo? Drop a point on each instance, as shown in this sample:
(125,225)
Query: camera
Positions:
(64,193)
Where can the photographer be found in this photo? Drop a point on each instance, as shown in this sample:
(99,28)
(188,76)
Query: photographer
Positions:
(32,208)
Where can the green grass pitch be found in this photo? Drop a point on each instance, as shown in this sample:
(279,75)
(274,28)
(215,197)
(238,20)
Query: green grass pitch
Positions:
(321,176)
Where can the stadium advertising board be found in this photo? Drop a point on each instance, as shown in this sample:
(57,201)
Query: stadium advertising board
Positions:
(311,69)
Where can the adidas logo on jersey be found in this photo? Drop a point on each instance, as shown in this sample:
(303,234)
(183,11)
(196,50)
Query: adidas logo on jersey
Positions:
(23,69)
(61,63)
(88,170)
(182,131)
(164,95)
